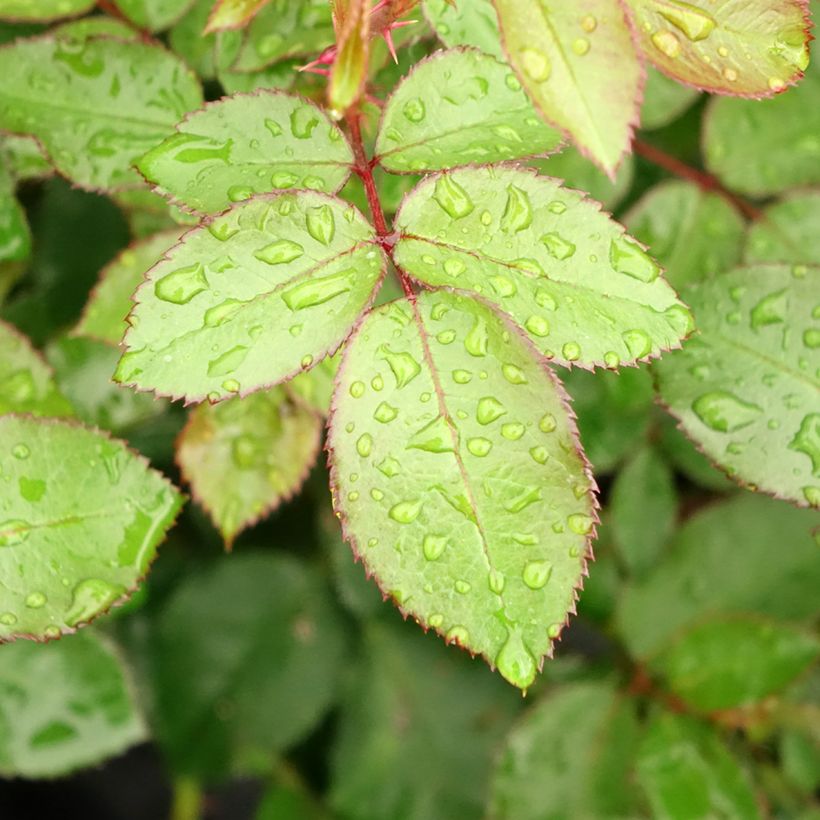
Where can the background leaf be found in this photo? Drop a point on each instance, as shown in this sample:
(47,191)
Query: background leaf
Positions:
(233,13)
(466,23)
(153,14)
(787,231)
(42,10)
(664,100)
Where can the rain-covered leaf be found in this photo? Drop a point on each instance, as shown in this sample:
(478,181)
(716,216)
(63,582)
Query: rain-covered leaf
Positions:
(155,15)
(724,662)
(750,49)
(456,108)
(418,730)
(569,756)
(762,148)
(95,26)
(745,386)
(787,231)
(65,706)
(309,266)
(42,10)
(81,523)
(26,382)
(314,387)
(471,504)
(244,457)
(228,14)
(246,658)
(466,23)
(95,106)
(245,145)
(584,291)
(580,68)
(694,234)
(664,100)
(685,770)
(723,561)
(642,510)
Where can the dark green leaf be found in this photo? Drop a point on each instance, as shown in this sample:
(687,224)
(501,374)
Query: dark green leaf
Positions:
(664,100)
(153,14)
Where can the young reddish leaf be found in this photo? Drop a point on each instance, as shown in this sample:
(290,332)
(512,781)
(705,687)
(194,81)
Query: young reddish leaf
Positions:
(745,387)
(80,527)
(584,291)
(750,49)
(244,457)
(251,297)
(228,14)
(580,67)
(458,475)
(154,15)
(456,108)
(42,11)
(245,145)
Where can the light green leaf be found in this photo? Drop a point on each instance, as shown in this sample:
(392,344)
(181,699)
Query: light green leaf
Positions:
(110,301)
(15,236)
(23,157)
(244,457)
(245,145)
(66,705)
(95,107)
(96,26)
(686,771)
(466,23)
(418,730)
(787,232)
(724,662)
(314,387)
(233,13)
(309,267)
(762,148)
(580,69)
(664,100)
(80,527)
(694,234)
(750,49)
(569,756)
(42,10)
(155,15)
(643,506)
(722,561)
(584,291)
(745,387)
(246,659)
(26,382)
(456,108)
(473,505)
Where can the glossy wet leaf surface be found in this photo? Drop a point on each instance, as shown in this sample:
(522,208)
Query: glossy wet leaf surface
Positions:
(582,289)
(246,145)
(457,473)
(42,10)
(251,297)
(97,105)
(580,68)
(466,23)
(65,706)
(153,14)
(81,520)
(745,386)
(787,232)
(752,49)
(244,457)
(314,387)
(456,108)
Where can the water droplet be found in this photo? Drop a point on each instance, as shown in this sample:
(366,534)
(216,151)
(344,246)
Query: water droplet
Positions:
(385,412)
(553,631)
(8,619)
(90,597)
(313,292)
(512,431)
(626,256)
(588,23)
(557,246)
(489,409)
(503,286)
(637,343)
(571,351)
(446,337)
(537,573)
(364,445)
(231,385)
(515,662)
(540,454)
(405,512)
(404,367)
(513,374)
(680,317)
(389,467)
(730,74)
(611,359)
(14,531)
(32,489)
(811,338)
(476,341)
(279,252)
(479,446)
(414,110)
(580,523)
(302,122)
(547,423)
(512,82)
(227,362)
(535,64)
(580,46)
(667,43)
(435,437)
(724,411)
(776,84)
(274,127)
(357,389)
(496,581)
(452,198)
(517,214)
(377,383)
(221,313)
(21,451)
(454,267)
(239,193)
(695,23)
(807,440)
(462,587)
(180,286)
(457,634)
(770,309)
(462,376)
(36,600)
(811,494)
(538,326)
(433,546)
(527,496)
(321,224)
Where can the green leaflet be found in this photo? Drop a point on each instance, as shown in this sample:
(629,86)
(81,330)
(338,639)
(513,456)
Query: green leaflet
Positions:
(722,561)
(42,10)
(418,731)
(696,235)
(186,38)
(23,157)
(67,705)
(314,387)
(231,696)
(80,527)
(745,387)
(750,49)
(456,108)
(233,13)
(685,770)
(148,214)
(281,76)
(664,100)
(569,756)
(723,663)
(466,23)
(15,236)
(244,457)
(110,301)
(308,266)
(585,292)
(739,134)
(155,15)
(788,231)
(245,145)
(96,26)
(26,382)
(471,502)
(95,105)
(580,70)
